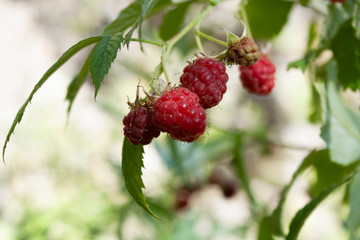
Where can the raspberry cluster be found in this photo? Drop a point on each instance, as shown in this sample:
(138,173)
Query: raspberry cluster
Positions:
(259,77)
(207,78)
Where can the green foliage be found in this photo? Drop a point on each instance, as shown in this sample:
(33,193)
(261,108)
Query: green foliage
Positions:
(346,48)
(353,221)
(341,131)
(172,21)
(104,54)
(301,216)
(132,163)
(267,17)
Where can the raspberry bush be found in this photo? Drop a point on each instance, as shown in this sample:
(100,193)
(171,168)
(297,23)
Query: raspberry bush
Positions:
(193,74)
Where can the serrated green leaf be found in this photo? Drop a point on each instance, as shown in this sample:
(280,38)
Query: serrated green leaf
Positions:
(78,81)
(346,48)
(104,54)
(172,21)
(353,221)
(63,59)
(341,131)
(132,163)
(301,216)
(267,17)
(276,218)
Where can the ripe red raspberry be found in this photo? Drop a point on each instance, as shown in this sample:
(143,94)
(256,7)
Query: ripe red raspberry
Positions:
(207,78)
(259,77)
(138,127)
(179,113)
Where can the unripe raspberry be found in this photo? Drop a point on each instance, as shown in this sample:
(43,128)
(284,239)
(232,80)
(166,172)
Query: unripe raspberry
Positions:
(259,77)
(179,113)
(207,78)
(243,52)
(138,127)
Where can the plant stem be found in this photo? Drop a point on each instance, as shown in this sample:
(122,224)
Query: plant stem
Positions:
(147,41)
(244,17)
(198,32)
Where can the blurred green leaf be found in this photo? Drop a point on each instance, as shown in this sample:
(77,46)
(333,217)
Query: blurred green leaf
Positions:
(265,229)
(303,63)
(104,54)
(346,48)
(301,216)
(130,15)
(328,173)
(315,115)
(267,17)
(304,2)
(276,218)
(353,221)
(172,21)
(132,163)
(63,59)
(341,131)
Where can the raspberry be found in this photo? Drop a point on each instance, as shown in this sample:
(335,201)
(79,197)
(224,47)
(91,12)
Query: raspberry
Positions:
(138,127)
(259,77)
(207,78)
(179,113)
(243,52)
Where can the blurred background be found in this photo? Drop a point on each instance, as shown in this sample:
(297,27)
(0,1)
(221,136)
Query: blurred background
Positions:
(62,178)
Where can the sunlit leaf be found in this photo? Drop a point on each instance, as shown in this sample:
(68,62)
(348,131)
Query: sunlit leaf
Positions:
(104,54)
(301,216)
(341,131)
(267,17)
(63,59)
(132,162)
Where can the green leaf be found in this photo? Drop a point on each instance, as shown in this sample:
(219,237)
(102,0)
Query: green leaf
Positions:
(132,163)
(63,59)
(341,131)
(78,81)
(346,48)
(172,21)
(265,229)
(104,54)
(303,63)
(129,16)
(276,217)
(328,173)
(301,216)
(353,221)
(267,17)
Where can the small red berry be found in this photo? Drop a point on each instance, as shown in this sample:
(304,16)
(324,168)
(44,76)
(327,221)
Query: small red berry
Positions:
(179,113)
(259,77)
(207,78)
(138,127)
